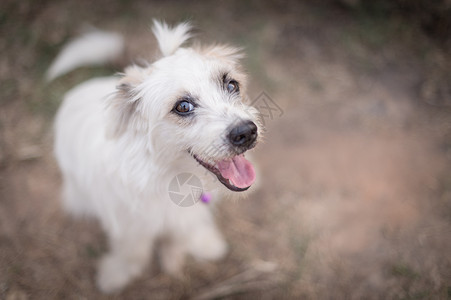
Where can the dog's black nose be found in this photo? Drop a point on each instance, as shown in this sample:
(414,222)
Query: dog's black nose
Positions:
(243,135)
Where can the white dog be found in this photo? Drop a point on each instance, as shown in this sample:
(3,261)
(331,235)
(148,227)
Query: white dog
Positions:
(120,141)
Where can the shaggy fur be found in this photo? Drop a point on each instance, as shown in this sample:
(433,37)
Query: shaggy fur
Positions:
(119,143)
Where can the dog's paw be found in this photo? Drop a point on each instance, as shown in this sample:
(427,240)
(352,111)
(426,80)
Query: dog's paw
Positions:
(172,258)
(208,244)
(115,273)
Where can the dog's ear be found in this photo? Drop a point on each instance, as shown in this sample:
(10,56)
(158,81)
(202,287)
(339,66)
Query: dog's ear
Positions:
(171,38)
(231,55)
(124,104)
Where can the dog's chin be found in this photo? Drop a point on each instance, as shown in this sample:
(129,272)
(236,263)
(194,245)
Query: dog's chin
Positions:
(228,183)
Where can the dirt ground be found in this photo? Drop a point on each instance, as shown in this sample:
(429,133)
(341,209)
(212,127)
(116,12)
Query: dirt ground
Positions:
(355,201)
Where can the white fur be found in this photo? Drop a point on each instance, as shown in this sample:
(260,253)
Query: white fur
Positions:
(119,145)
(170,39)
(93,48)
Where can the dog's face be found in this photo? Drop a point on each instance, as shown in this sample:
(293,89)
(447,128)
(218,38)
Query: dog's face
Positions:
(192,105)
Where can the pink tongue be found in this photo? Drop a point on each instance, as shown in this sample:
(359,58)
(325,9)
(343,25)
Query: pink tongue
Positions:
(238,170)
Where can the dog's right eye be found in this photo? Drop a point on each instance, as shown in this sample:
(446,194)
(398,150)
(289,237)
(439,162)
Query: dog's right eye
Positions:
(183,108)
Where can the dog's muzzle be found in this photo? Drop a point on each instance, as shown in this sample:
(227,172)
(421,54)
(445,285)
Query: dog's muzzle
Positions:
(236,172)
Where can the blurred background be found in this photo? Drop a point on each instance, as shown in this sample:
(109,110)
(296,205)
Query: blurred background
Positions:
(355,201)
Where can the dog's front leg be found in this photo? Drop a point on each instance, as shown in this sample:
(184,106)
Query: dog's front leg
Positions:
(190,231)
(126,260)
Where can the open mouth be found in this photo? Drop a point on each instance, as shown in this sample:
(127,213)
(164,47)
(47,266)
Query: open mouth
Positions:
(236,173)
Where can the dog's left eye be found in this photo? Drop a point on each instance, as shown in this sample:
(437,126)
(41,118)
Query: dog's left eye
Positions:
(183,107)
(232,86)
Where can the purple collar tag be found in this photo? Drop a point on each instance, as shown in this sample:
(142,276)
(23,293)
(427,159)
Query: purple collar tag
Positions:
(205,197)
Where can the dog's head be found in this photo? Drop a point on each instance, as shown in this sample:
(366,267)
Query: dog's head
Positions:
(191,105)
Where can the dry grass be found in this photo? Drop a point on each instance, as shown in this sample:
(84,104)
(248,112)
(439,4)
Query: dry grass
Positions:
(356,195)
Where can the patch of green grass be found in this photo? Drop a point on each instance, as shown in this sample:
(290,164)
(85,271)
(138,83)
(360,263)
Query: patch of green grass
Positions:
(300,246)
(91,252)
(48,97)
(16,269)
(316,85)
(403,270)
(255,66)
(374,35)
(372,26)
(419,295)
(8,88)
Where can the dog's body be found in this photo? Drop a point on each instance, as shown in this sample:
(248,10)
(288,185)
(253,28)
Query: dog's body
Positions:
(120,141)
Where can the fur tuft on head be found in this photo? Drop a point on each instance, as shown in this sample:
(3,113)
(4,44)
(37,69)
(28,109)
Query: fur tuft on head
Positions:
(171,38)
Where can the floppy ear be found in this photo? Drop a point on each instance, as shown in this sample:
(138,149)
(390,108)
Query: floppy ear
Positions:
(123,106)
